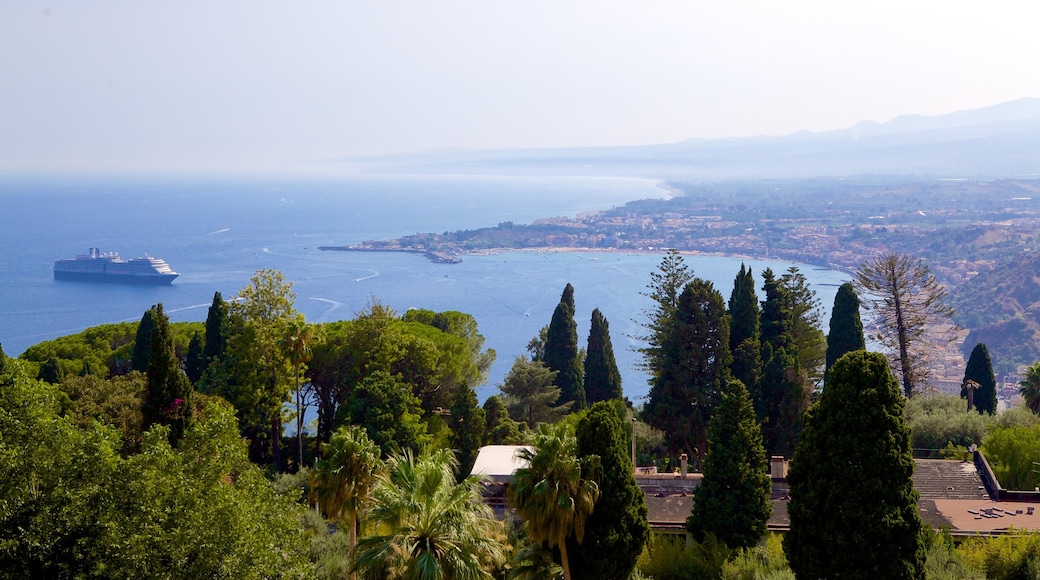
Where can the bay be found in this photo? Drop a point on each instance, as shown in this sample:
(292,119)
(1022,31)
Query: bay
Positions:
(217,232)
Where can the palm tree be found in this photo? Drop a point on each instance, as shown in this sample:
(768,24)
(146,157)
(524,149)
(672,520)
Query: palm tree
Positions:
(430,527)
(554,494)
(1029,387)
(341,483)
(297,345)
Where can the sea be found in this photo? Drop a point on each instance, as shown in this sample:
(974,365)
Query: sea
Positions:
(217,232)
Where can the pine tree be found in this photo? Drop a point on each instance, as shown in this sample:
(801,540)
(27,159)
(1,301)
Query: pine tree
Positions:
(913,318)
(853,507)
(695,360)
(664,289)
(808,342)
(561,351)
(618,529)
(846,328)
(980,370)
(733,502)
(142,345)
(744,335)
(602,378)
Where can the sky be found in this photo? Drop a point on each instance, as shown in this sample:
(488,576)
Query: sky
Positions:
(257,85)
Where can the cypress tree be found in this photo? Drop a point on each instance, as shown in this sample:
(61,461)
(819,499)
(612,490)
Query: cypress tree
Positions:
(853,507)
(846,328)
(216,330)
(734,500)
(168,399)
(561,351)
(980,370)
(467,426)
(602,378)
(744,335)
(142,341)
(618,529)
(195,363)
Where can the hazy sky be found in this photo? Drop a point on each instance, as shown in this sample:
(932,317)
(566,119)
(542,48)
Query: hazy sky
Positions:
(229,84)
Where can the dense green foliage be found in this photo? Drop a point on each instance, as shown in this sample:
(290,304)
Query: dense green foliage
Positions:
(979,375)
(1012,453)
(72,506)
(602,378)
(561,351)
(846,328)
(618,529)
(666,284)
(851,480)
(733,502)
(694,361)
(388,411)
(500,428)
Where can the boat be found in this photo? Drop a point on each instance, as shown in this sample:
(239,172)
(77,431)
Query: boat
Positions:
(109,267)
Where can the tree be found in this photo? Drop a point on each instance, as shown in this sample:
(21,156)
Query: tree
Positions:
(388,411)
(695,360)
(808,342)
(851,480)
(555,494)
(500,429)
(194,363)
(341,481)
(1029,387)
(297,345)
(430,526)
(169,397)
(532,395)
(561,351)
(617,530)
(784,391)
(215,339)
(980,371)
(733,502)
(666,284)
(909,306)
(254,373)
(602,378)
(142,344)
(745,334)
(467,424)
(846,328)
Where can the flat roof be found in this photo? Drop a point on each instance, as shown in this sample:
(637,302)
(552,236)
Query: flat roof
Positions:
(499,462)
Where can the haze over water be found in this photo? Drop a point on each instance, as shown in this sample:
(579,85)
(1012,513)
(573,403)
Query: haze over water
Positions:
(216,234)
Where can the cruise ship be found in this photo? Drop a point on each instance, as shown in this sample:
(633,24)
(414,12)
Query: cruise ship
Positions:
(109,267)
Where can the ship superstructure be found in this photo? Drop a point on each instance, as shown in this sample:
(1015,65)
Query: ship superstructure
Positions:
(109,267)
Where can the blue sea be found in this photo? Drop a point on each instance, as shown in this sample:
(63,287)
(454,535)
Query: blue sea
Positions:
(217,232)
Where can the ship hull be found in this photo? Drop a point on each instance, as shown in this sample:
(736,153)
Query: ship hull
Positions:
(156,280)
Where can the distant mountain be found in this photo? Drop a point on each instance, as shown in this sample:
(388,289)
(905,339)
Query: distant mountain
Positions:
(993,142)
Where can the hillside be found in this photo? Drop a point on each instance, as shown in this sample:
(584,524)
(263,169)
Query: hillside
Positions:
(1002,308)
